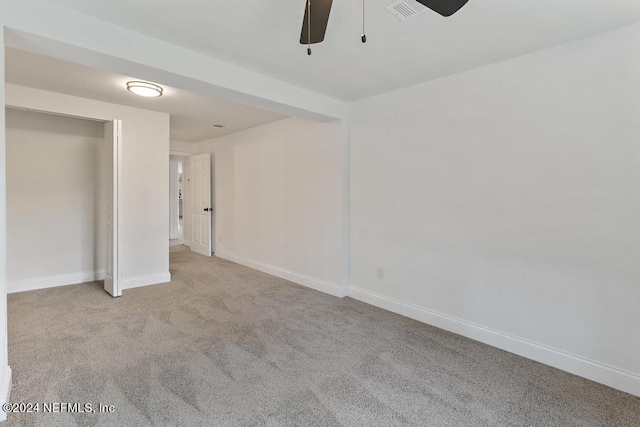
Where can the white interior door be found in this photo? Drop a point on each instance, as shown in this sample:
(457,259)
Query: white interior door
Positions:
(113,138)
(200,239)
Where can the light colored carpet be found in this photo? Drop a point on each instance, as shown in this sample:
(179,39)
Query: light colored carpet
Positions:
(227,345)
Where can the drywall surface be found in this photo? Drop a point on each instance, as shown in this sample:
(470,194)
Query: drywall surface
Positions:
(55,195)
(5,371)
(278,200)
(183,147)
(144,190)
(503,203)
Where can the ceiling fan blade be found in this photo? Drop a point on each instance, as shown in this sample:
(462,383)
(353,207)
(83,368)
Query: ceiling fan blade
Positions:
(320,10)
(444,7)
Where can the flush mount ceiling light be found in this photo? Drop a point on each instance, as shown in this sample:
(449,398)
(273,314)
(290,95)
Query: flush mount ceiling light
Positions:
(218,125)
(145,89)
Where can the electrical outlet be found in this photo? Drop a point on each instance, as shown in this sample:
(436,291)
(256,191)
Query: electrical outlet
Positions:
(380,273)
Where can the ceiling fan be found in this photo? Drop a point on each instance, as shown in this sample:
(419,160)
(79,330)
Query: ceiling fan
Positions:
(316,17)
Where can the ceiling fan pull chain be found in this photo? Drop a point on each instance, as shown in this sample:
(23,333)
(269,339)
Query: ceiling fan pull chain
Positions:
(309,26)
(364,35)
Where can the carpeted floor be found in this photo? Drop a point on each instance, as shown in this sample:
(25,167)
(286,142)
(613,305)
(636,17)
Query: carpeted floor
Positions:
(224,345)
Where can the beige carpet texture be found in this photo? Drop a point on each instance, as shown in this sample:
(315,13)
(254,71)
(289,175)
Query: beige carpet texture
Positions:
(224,345)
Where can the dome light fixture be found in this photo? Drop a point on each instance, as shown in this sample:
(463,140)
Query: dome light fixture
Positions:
(148,90)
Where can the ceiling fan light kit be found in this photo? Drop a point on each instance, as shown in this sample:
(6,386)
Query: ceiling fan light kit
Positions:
(316,15)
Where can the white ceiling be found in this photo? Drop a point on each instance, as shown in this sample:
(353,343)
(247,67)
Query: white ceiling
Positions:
(192,115)
(263,35)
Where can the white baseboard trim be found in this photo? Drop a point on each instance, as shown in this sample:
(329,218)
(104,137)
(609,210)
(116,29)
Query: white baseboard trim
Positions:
(147,280)
(53,281)
(5,392)
(300,279)
(608,375)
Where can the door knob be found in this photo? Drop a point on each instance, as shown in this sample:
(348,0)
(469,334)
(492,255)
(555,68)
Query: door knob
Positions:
(208,209)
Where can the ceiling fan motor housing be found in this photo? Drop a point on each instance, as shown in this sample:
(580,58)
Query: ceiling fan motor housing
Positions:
(444,7)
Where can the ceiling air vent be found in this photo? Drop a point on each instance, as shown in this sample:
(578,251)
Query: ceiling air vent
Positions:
(406,9)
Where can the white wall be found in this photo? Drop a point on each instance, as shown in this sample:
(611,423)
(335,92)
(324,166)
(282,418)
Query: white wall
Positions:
(183,147)
(5,371)
(55,209)
(504,202)
(278,200)
(144,190)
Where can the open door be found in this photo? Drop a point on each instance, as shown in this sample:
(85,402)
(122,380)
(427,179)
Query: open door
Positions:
(113,138)
(200,181)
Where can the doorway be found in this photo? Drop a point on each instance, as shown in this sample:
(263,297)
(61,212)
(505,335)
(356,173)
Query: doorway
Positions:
(62,192)
(176,200)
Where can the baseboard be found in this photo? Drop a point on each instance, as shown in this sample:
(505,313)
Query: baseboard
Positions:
(608,375)
(53,281)
(147,280)
(5,392)
(300,279)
